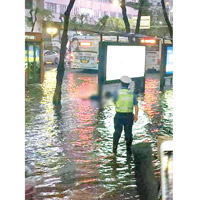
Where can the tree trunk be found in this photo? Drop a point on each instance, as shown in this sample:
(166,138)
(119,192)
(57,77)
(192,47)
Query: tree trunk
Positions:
(32,29)
(125,18)
(33,22)
(167,19)
(61,65)
(137,29)
(33,26)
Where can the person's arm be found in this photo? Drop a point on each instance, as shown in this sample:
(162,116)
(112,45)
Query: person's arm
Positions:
(136,108)
(136,113)
(115,96)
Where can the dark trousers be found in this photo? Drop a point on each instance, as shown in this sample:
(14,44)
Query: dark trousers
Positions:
(123,120)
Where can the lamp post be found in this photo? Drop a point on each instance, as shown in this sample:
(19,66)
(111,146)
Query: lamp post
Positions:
(52,31)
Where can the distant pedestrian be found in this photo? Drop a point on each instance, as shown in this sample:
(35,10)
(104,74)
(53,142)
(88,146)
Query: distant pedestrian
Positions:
(125,101)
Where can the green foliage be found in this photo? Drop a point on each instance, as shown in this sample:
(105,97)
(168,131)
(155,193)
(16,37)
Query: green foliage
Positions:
(115,24)
(73,23)
(28,21)
(35,13)
(133,5)
(101,24)
(79,21)
(46,14)
(136,6)
(105,23)
(132,23)
(159,31)
(82,19)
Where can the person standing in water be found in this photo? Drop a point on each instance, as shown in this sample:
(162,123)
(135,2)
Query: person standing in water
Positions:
(125,101)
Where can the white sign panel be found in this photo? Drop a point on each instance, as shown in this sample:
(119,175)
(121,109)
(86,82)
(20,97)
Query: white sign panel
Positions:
(144,22)
(152,58)
(125,60)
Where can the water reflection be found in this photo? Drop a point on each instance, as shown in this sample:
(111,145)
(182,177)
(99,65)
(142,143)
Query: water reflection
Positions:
(69,149)
(151,104)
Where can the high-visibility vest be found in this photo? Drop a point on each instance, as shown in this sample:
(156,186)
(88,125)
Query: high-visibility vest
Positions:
(124,103)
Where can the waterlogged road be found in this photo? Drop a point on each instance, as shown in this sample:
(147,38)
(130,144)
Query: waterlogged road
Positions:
(69,150)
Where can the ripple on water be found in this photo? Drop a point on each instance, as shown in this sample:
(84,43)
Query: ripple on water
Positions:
(69,150)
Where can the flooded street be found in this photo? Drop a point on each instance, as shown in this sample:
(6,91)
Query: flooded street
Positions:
(69,150)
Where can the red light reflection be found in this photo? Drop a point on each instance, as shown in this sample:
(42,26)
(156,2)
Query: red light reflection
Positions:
(81,87)
(151,95)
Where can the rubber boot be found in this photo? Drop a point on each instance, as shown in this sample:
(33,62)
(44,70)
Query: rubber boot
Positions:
(128,147)
(115,148)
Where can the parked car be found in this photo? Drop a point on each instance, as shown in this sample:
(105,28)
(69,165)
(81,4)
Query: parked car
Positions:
(51,57)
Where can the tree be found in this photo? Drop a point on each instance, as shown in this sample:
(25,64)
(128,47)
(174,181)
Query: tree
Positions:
(77,22)
(167,19)
(142,8)
(36,12)
(73,23)
(125,18)
(136,6)
(137,29)
(61,66)
(82,19)
(115,24)
(101,25)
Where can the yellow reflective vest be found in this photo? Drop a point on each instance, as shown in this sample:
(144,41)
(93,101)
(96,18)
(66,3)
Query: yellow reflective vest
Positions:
(124,103)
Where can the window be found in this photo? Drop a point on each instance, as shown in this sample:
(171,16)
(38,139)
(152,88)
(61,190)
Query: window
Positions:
(72,11)
(51,7)
(96,13)
(106,13)
(62,8)
(120,15)
(112,14)
(76,11)
(28,4)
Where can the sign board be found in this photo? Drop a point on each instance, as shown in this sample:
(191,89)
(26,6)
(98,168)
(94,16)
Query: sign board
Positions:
(152,58)
(166,65)
(29,37)
(167,42)
(144,22)
(125,60)
(34,37)
(169,60)
(119,59)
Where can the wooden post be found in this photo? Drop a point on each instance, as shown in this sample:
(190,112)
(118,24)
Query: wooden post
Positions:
(144,173)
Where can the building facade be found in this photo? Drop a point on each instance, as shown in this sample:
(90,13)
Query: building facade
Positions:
(156,9)
(94,9)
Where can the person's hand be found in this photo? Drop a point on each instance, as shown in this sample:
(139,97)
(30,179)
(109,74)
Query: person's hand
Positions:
(135,118)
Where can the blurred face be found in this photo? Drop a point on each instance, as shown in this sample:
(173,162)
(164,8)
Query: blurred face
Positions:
(124,84)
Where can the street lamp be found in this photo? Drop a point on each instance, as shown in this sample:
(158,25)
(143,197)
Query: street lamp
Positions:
(116,2)
(52,31)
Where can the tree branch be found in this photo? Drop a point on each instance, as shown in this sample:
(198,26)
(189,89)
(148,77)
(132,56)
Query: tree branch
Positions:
(125,18)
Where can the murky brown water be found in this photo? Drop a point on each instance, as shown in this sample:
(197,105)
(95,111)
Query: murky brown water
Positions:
(69,150)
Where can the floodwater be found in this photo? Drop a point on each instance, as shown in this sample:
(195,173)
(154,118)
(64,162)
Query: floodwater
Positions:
(69,150)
